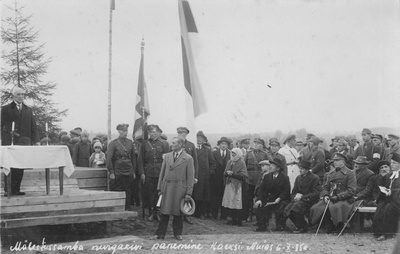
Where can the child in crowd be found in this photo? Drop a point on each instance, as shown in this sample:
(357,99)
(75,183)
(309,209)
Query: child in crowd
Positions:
(98,158)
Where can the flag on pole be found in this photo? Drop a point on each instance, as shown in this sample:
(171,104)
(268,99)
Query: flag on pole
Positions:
(142,108)
(189,33)
(112,5)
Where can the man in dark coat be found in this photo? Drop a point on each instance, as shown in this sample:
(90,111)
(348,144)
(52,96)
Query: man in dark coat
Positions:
(340,188)
(149,161)
(305,193)
(221,156)
(24,126)
(174,184)
(369,150)
(252,160)
(82,151)
(394,147)
(317,158)
(206,163)
(274,146)
(272,197)
(191,150)
(121,164)
(365,179)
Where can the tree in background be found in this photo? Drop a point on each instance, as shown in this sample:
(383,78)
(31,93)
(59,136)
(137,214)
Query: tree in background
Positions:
(24,65)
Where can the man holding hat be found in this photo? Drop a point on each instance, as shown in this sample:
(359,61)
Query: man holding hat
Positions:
(175,184)
(254,170)
(274,147)
(121,164)
(272,197)
(339,188)
(292,158)
(305,193)
(205,159)
(364,178)
(24,126)
(369,150)
(394,146)
(150,159)
(221,156)
(387,216)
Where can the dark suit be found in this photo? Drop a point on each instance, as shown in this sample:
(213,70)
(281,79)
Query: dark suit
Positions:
(217,182)
(25,126)
(191,150)
(269,191)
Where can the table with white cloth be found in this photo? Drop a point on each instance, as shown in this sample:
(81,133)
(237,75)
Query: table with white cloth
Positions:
(36,157)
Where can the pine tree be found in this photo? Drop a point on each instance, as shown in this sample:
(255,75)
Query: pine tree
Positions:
(24,65)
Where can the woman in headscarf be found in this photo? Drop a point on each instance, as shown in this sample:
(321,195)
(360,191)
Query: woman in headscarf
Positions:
(387,215)
(236,187)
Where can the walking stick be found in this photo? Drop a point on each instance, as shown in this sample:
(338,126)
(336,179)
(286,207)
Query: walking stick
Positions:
(323,215)
(351,216)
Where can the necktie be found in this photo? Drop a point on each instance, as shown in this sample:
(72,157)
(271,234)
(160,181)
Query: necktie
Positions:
(223,154)
(199,147)
(175,156)
(19,107)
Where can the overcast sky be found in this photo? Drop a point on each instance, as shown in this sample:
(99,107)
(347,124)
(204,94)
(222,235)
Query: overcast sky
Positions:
(331,65)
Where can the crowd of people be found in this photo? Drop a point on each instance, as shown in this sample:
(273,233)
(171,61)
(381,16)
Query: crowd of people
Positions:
(302,182)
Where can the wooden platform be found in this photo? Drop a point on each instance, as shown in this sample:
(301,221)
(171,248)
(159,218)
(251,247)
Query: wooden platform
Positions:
(82,201)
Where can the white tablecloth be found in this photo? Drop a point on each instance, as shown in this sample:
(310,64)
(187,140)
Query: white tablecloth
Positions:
(36,157)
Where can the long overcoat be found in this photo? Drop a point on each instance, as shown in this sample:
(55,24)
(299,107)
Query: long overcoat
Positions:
(175,181)
(206,164)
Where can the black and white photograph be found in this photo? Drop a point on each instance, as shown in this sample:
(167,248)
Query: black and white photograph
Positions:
(200,126)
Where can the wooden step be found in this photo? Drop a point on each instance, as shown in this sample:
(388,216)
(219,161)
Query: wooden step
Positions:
(68,219)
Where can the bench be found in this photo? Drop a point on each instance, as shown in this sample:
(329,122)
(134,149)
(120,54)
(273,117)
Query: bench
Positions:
(359,217)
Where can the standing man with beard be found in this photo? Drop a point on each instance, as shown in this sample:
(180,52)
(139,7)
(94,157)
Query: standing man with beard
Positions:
(121,164)
(221,156)
(25,127)
(150,160)
(191,150)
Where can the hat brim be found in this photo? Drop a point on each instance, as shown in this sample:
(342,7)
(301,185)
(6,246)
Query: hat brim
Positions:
(361,163)
(191,212)
(277,164)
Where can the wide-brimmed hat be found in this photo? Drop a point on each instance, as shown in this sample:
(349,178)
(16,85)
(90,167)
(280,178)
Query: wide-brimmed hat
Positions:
(277,162)
(339,156)
(201,134)
(188,207)
(224,139)
(305,164)
(381,163)
(362,160)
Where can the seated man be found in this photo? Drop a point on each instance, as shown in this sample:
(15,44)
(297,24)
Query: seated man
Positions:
(304,194)
(272,197)
(337,192)
(365,180)
(384,169)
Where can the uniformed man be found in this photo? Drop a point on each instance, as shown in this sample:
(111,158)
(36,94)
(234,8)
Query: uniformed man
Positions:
(317,158)
(394,146)
(191,150)
(368,149)
(339,188)
(252,161)
(121,164)
(274,147)
(305,153)
(292,158)
(150,160)
(245,146)
(377,140)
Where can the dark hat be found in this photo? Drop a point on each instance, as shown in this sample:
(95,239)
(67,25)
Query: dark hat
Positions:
(290,137)
(381,163)
(309,135)
(163,136)
(339,156)
(366,131)
(122,126)
(188,207)
(65,138)
(245,141)
(392,136)
(154,126)
(182,129)
(223,139)
(362,160)
(274,142)
(277,162)
(314,140)
(305,164)
(201,134)
(264,162)
(396,157)
(78,129)
(74,140)
(75,132)
(259,140)
(378,136)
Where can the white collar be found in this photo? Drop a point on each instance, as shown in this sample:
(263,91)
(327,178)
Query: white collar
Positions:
(395,175)
(179,153)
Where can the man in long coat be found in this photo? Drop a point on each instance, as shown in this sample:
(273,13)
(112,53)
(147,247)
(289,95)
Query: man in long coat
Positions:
(369,150)
(305,193)
(340,188)
(221,156)
(364,178)
(205,159)
(174,184)
(24,127)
